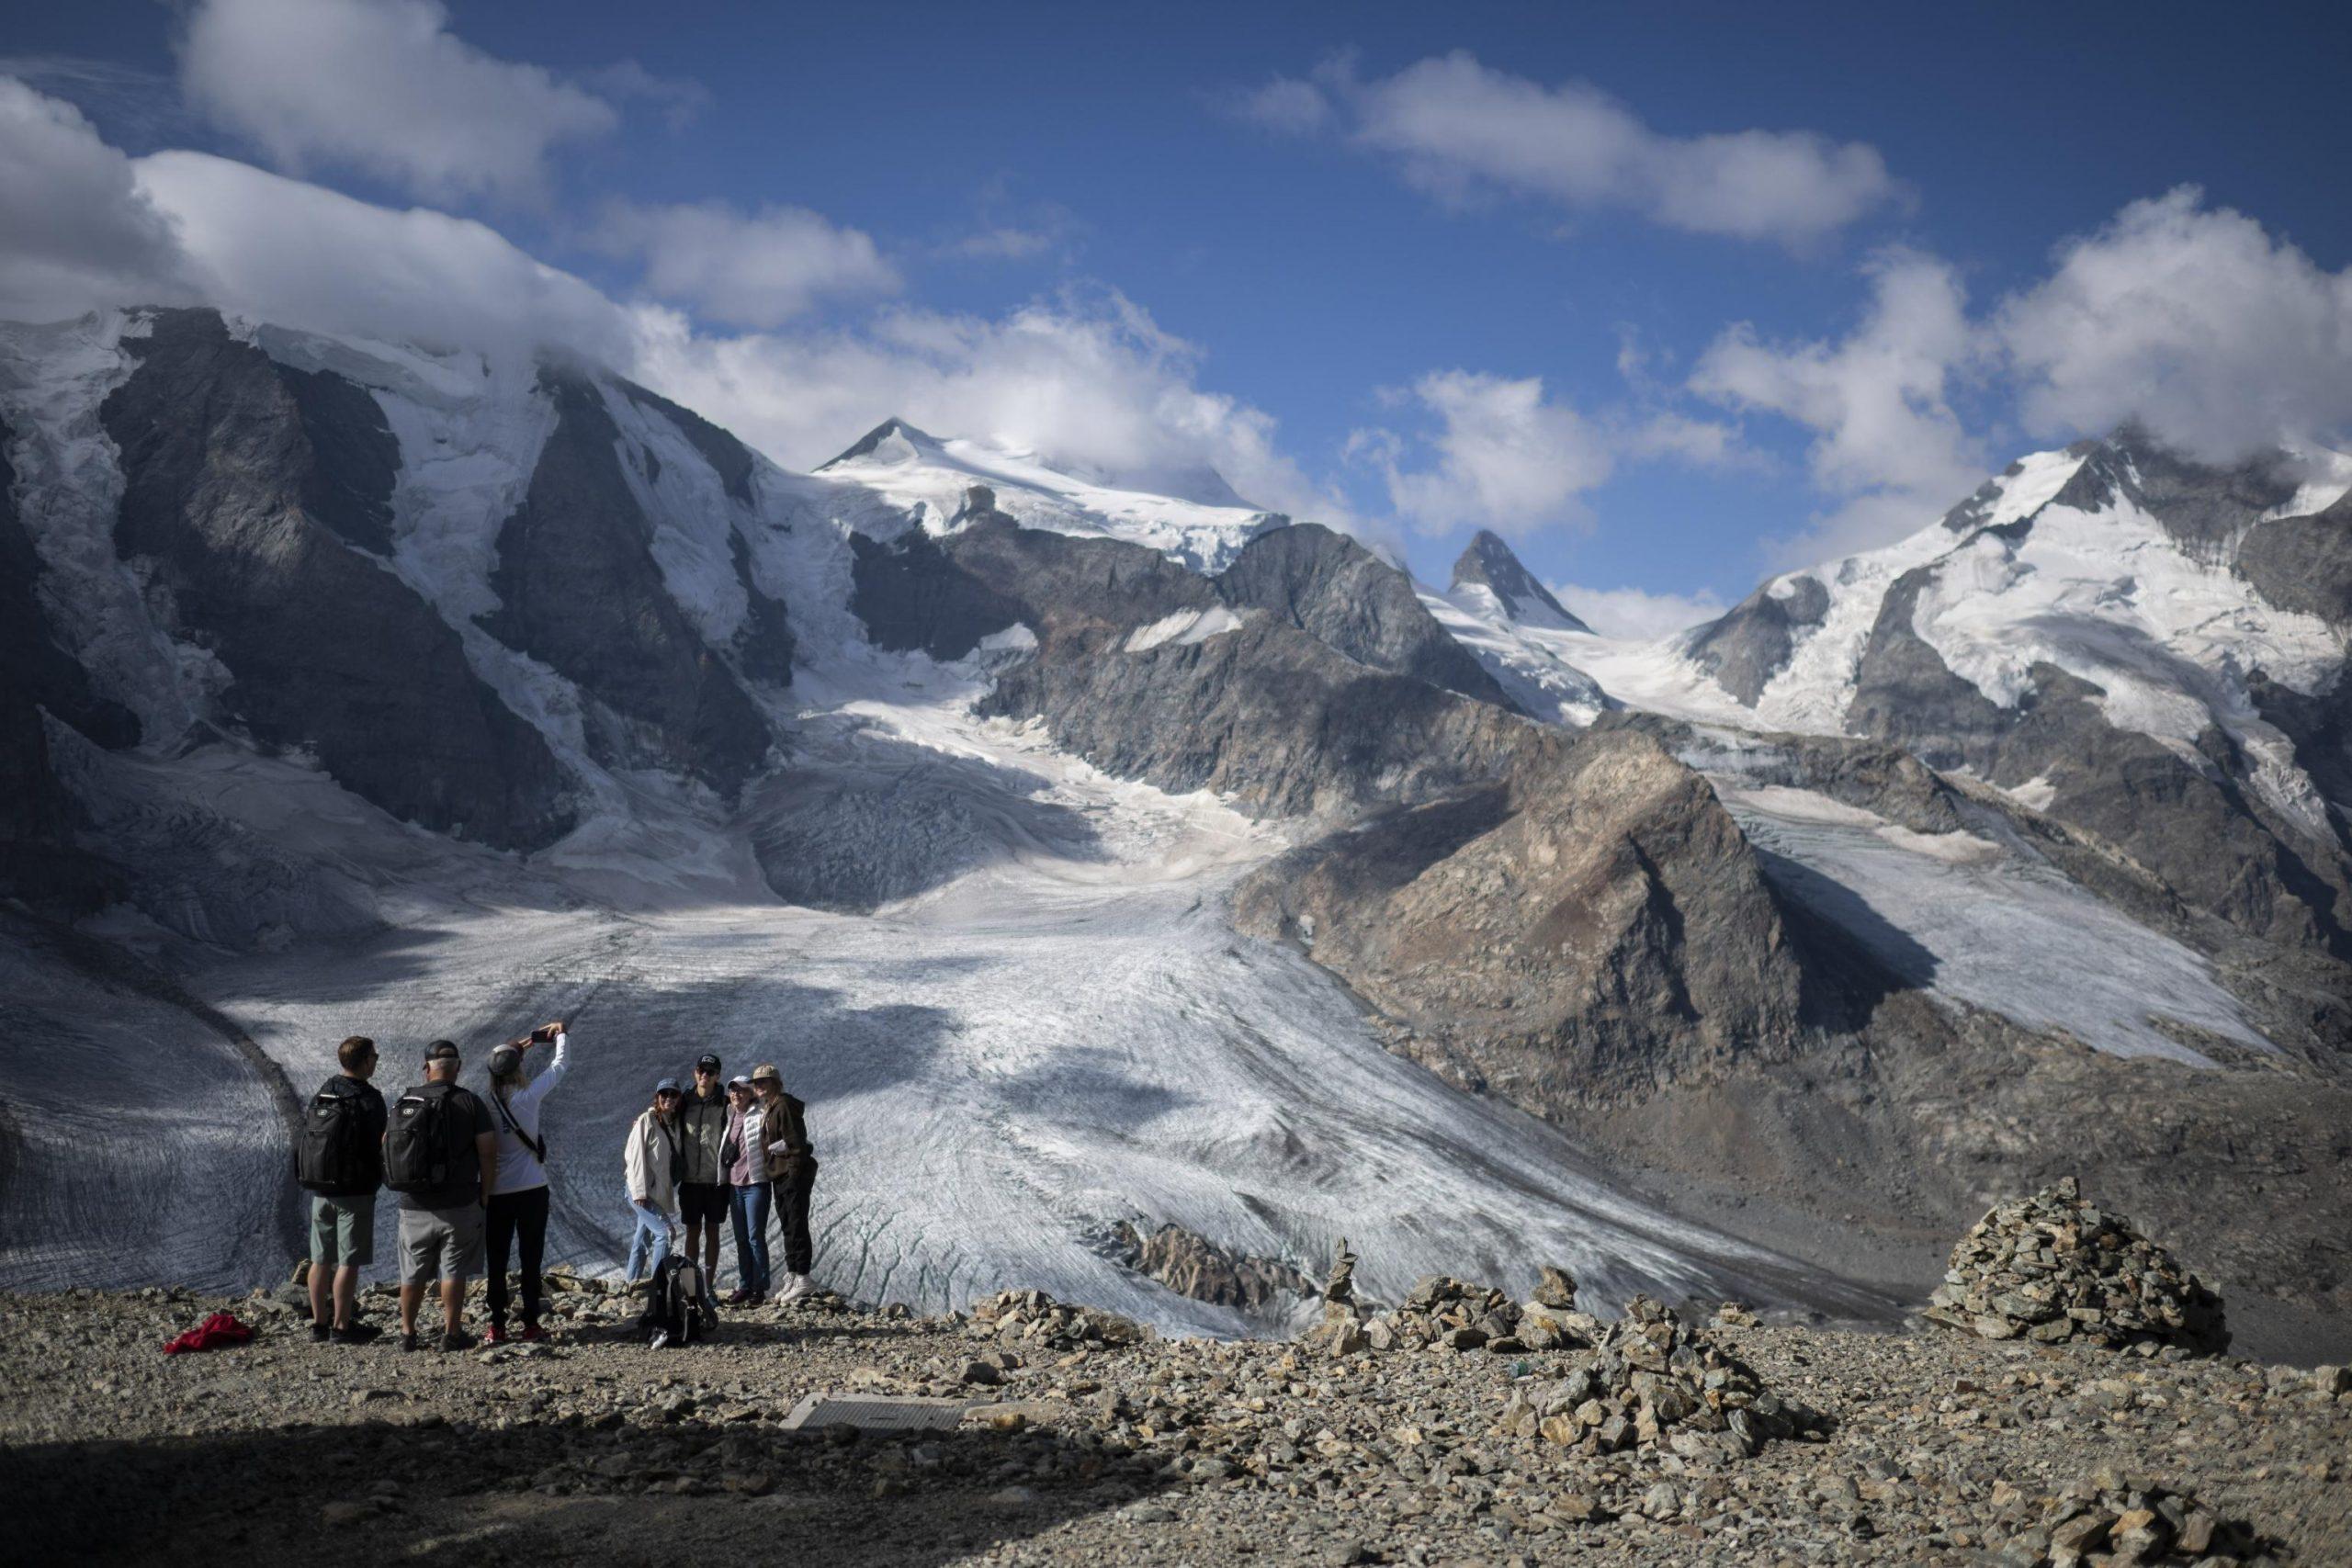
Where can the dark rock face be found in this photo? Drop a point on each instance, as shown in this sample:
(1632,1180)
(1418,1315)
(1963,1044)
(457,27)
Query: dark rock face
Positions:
(1490,563)
(1191,1265)
(1343,595)
(764,648)
(1263,711)
(2320,726)
(348,483)
(728,456)
(1748,644)
(2198,827)
(911,593)
(1596,922)
(2204,508)
(2304,563)
(1904,692)
(329,650)
(38,859)
(579,588)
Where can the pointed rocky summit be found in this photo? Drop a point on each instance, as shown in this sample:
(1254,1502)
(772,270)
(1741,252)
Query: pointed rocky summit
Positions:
(1488,563)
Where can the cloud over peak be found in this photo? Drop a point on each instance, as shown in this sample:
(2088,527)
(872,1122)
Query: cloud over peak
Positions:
(1461,128)
(2193,321)
(382,87)
(745,269)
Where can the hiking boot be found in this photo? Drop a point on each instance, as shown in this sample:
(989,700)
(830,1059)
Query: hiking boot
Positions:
(532,1334)
(408,1342)
(319,1332)
(756,1300)
(737,1298)
(358,1334)
(458,1339)
(494,1334)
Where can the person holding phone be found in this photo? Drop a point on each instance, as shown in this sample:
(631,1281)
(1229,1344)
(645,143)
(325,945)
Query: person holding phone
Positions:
(518,1200)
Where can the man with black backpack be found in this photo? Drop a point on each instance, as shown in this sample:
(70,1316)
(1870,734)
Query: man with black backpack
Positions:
(441,1157)
(339,1160)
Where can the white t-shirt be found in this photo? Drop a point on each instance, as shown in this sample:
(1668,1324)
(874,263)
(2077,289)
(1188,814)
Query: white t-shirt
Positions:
(519,1169)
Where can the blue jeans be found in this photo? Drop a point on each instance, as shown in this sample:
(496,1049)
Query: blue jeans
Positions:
(749,1206)
(652,1232)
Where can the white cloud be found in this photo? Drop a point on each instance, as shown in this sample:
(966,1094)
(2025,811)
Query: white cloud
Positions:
(1087,381)
(1462,128)
(383,87)
(300,255)
(1632,613)
(75,230)
(1286,105)
(1502,457)
(1886,443)
(757,269)
(2194,322)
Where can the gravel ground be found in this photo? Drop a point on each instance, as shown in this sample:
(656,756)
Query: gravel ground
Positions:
(1941,1449)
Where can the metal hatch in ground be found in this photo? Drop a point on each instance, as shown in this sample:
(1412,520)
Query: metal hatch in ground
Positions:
(872,1413)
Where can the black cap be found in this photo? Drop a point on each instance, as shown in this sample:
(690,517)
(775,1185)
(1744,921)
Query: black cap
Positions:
(707,1063)
(441,1050)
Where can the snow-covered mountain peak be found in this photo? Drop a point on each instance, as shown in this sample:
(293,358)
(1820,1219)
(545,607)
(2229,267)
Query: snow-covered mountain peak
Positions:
(915,472)
(1489,572)
(891,444)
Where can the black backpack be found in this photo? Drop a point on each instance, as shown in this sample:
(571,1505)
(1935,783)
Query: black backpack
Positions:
(673,1306)
(337,1153)
(417,1142)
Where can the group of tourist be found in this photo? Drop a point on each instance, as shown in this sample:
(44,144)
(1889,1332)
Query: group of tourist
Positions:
(470,1173)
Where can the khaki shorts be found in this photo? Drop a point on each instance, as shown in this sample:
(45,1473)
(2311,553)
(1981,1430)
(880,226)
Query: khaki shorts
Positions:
(443,1244)
(343,1231)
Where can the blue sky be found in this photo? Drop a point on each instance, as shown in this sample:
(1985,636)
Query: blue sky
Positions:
(1367,269)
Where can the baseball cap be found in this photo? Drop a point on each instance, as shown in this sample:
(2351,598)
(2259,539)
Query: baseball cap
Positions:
(766,1070)
(441,1050)
(503,1059)
(668,1086)
(739,1081)
(706,1062)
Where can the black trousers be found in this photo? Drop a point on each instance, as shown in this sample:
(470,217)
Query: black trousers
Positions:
(792,1215)
(516,1216)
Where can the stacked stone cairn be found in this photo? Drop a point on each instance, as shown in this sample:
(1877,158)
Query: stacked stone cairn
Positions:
(1456,1314)
(1652,1382)
(1034,1319)
(2055,1270)
(2126,1521)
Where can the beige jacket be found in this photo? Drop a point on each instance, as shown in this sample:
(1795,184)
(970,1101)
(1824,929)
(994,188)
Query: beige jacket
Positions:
(650,1161)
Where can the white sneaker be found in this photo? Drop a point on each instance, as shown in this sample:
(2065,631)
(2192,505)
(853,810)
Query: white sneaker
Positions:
(800,1286)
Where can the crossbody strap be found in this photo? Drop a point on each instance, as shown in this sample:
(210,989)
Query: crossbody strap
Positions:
(537,1147)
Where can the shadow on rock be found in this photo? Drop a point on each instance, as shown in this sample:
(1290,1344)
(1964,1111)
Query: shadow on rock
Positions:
(614,1490)
(1854,957)
(892,820)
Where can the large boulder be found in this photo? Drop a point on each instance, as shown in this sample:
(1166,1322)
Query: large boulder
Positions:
(2057,1269)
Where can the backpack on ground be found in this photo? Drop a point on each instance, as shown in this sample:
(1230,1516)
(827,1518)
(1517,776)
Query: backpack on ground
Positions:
(673,1306)
(416,1146)
(336,1151)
